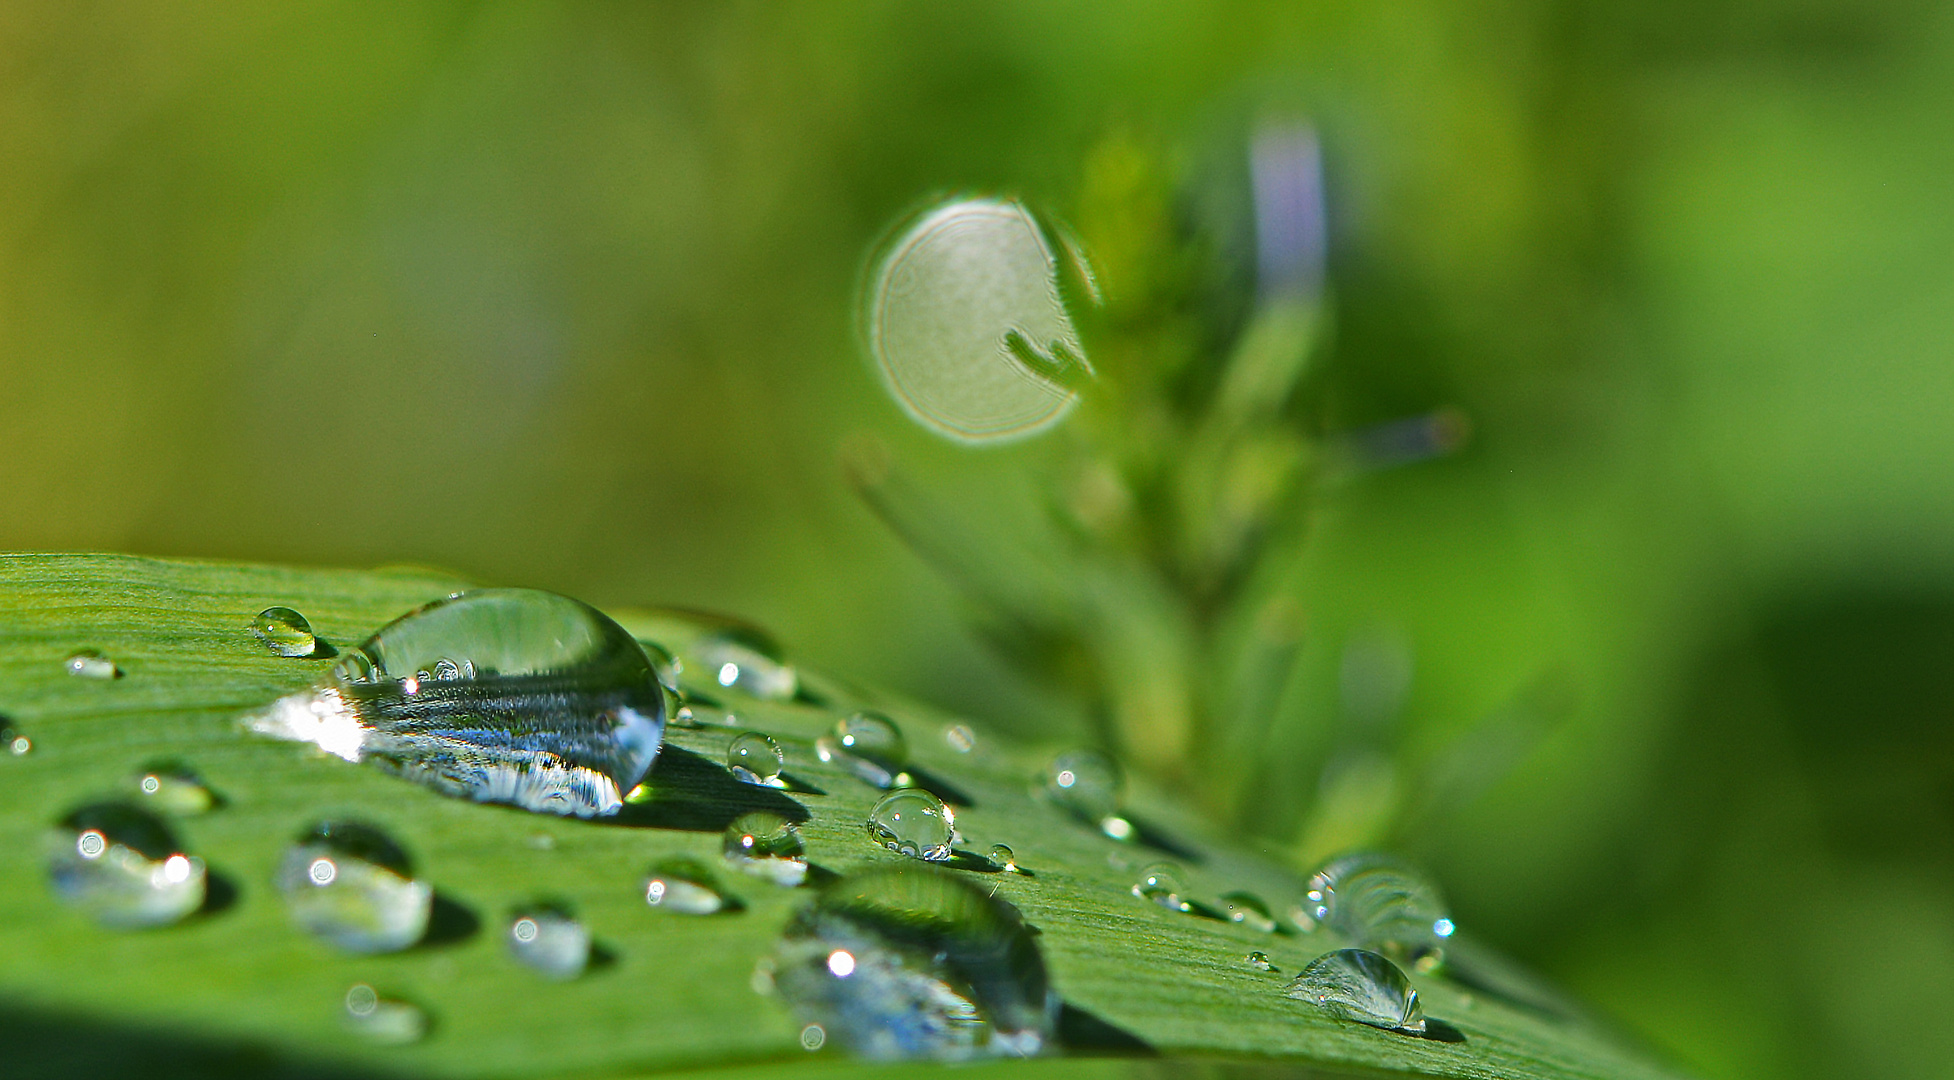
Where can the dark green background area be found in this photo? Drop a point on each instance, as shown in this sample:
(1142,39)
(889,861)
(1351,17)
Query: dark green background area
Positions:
(562,296)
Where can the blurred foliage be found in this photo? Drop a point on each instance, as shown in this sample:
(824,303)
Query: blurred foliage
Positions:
(559,296)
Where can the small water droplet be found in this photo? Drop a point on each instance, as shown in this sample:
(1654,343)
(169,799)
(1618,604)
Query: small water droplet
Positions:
(686,887)
(350,884)
(1004,858)
(1360,985)
(934,969)
(744,659)
(548,939)
(498,695)
(1380,903)
(1249,910)
(684,716)
(869,745)
(766,845)
(966,325)
(1259,961)
(1087,783)
(960,737)
(90,664)
(813,1037)
(756,759)
(914,822)
(1162,883)
(285,632)
(172,788)
(382,1020)
(12,739)
(118,864)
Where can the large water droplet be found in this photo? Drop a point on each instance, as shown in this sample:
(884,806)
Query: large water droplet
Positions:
(1380,903)
(12,740)
(285,632)
(755,759)
(351,885)
(869,745)
(965,323)
(766,845)
(382,1020)
(1356,984)
(1163,884)
(548,939)
(90,664)
(906,961)
(686,887)
(913,822)
(1089,784)
(119,864)
(172,788)
(499,695)
(743,659)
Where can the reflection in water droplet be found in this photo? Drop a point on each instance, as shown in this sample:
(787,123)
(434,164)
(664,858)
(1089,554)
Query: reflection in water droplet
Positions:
(1162,884)
(766,845)
(12,740)
(381,1020)
(755,759)
(89,664)
(686,887)
(1087,783)
(172,788)
(906,961)
(351,885)
(119,865)
(1356,984)
(745,660)
(549,940)
(498,695)
(1380,903)
(949,298)
(1259,961)
(869,745)
(914,822)
(284,632)
(1004,858)
(960,737)
(1249,910)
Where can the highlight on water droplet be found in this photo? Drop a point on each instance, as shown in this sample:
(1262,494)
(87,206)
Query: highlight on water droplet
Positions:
(382,1020)
(1163,884)
(905,961)
(91,664)
(1004,858)
(1089,785)
(547,938)
(1259,960)
(1249,910)
(349,884)
(960,737)
(742,658)
(869,745)
(913,822)
(13,740)
(754,758)
(1380,903)
(285,632)
(499,695)
(964,320)
(171,787)
(1360,985)
(119,865)
(766,845)
(686,887)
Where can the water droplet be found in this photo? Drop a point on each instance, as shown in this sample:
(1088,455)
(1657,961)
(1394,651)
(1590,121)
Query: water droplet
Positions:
(1249,910)
(1259,961)
(1162,884)
(12,739)
(1380,903)
(351,885)
(1356,984)
(382,1020)
(89,664)
(685,886)
(966,325)
(756,759)
(1087,783)
(171,788)
(285,632)
(741,658)
(118,864)
(499,695)
(906,961)
(914,822)
(548,939)
(960,737)
(1004,858)
(869,745)
(768,846)
(813,1037)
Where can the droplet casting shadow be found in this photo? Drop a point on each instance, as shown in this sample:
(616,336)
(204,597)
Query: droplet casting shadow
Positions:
(220,895)
(449,923)
(939,787)
(1080,1032)
(969,860)
(1151,836)
(1440,1031)
(799,786)
(692,794)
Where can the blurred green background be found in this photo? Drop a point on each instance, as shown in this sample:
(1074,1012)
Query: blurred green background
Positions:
(563,296)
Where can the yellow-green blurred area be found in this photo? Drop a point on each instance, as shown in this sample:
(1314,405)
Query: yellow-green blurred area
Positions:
(564,297)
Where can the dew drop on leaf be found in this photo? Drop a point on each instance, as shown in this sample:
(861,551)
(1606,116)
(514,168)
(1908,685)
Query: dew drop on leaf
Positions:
(743,659)
(170,787)
(960,737)
(1259,960)
(686,887)
(550,941)
(869,745)
(1162,883)
(91,664)
(13,740)
(1380,903)
(1004,858)
(119,864)
(913,822)
(349,884)
(382,1020)
(767,846)
(1249,910)
(1087,783)
(285,632)
(1360,985)
(754,758)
